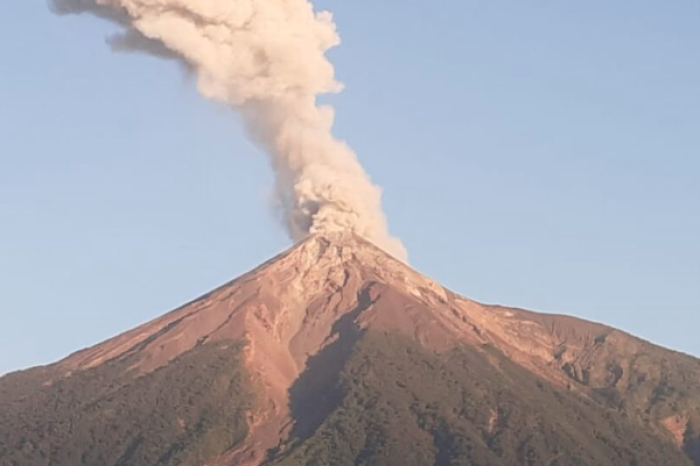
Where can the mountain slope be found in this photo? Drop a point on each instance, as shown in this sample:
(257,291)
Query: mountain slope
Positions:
(184,413)
(317,332)
(403,405)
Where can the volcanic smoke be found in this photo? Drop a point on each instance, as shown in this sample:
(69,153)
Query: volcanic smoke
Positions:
(267,59)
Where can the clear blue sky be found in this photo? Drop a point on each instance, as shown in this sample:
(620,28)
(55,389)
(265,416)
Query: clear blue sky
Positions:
(543,155)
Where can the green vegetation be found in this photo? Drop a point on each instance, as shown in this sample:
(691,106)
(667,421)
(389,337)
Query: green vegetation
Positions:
(645,383)
(369,399)
(403,406)
(644,379)
(184,414)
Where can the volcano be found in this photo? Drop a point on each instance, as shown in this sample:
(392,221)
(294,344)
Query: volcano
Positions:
(335,353)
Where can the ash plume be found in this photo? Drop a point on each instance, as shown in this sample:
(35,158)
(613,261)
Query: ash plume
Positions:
(265,58)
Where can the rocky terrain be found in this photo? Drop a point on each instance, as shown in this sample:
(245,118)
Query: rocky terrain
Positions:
(336,353)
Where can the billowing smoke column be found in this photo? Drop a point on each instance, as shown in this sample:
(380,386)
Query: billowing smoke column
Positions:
(267,59)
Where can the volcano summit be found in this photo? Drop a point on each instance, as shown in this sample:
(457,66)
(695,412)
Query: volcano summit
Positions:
(334,353)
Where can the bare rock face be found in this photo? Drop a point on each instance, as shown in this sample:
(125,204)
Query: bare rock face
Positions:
(321,296)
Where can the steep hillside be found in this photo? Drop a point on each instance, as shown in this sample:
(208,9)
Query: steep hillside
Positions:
(397,404)
(185,413)
(335,351)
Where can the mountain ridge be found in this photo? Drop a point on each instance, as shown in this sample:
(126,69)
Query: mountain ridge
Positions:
(302,316)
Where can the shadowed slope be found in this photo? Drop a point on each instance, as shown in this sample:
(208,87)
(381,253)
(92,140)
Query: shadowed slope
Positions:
(406,406)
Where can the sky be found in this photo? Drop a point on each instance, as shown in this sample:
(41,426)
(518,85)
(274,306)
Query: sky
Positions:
(542,155)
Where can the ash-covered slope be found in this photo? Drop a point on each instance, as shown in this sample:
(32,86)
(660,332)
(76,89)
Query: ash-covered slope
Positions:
(335,353)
